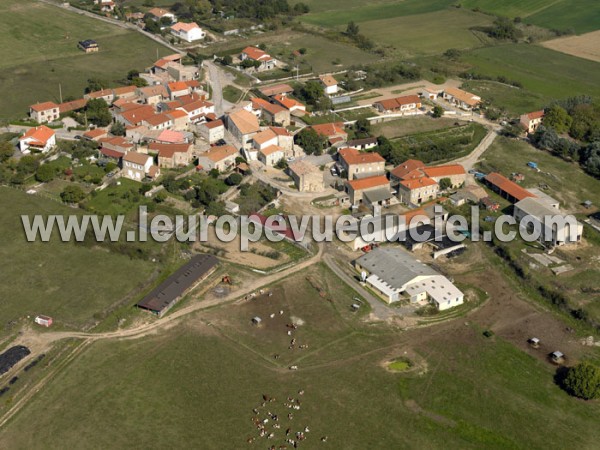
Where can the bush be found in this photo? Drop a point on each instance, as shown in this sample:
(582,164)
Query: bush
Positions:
(233,180)
(583,381)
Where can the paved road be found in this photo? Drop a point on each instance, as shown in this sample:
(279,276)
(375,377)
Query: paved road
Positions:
(469,161)
(217,80)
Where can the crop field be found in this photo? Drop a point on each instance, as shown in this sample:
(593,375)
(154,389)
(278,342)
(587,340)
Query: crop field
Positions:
(339,12)
(542,71)
(66,281)
(427,34)
(224,368)
(586,46)
(35,58)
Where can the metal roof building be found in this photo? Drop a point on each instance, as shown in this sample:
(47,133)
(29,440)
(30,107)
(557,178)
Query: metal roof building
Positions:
(164,296)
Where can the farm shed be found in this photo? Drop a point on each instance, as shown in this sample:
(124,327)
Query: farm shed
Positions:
(163,297)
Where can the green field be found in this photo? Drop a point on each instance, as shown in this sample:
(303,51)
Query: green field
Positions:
(195,386)
(580,15)
(543,72)
(514,100)
(39,51)
(427,34)
(339,12)
(66,281)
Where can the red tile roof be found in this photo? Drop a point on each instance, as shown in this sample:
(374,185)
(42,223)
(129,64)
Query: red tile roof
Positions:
(535,115)
(406,167)
(271,108)
(277,89)
(256,54)
(216,154)
(111,153)
(41,135)
(397,102)
(329,129)
(352,156)
(38,107)
(157,119)
(328,80)
(72,106)
(96,133)
(368,183)
(178,86)
(418,183)
(176,114)
(444,171)
(214,124)
(168,150)
(182,26)
(511,188)
(271,149)
(280,131)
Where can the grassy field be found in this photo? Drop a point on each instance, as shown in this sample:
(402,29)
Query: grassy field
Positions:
(64,280)
(427,34)
(580,15)
(410,125)
(232,94)
(514,100)
(339,12)
(542,71)
(35,58)
(482,393)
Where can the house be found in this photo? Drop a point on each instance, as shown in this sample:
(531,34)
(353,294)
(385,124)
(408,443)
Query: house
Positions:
(178,89)
(362,144)
(506,188)
(136,166)
(531,121)
(113,155)
(403,170)
(473,194)
(264,139)
(295,107)
(107,6)
(329,83)
(554,228)
(188,32)
(134,115)
(453,172)
(243,125)
(307,177)
(462,99)
(181,120)
(37,139)
(221,158)
(171,137)
(278,89)
(89,45)
(334,132)
(160,13)
(172,155)
(398,104)
(96,134)
(163,297)
(212,131)
(152,95)
(271,155)
(395,274)
(116,143)
(430,94)
(271,112)
(360,165)
(158,122)
(418,190)
(260,56)
(285,140)
(197,110)
(379,185)
(44,112)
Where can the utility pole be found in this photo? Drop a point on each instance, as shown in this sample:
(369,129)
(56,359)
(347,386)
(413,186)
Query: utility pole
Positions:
(60,92)
(157,57)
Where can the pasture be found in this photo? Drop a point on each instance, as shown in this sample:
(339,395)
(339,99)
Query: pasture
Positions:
(36,58)
(543,72)
(339,12)
(429,33)
(468,391)
(513,100)
(67,281)
(579,15)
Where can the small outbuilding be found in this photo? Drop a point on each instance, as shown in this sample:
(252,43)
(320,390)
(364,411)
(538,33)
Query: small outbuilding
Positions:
(534,342)
(256,320)
(557,357)
(44,321)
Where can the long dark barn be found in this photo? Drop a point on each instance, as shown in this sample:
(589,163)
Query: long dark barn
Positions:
(164,296)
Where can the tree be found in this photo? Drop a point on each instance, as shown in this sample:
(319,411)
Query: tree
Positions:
(118,129)
(72,194)
(45,173)
(97,112)
(311,141)
(6,151)
(27,164)
(452,53)
(311,92)
(557,117)
(139,82)
(95,84)
(352,29)
(445,183)
(160,196)
(437,111)
(362,127)
(583,381)
(281,164)
(233,180)
(227,60)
